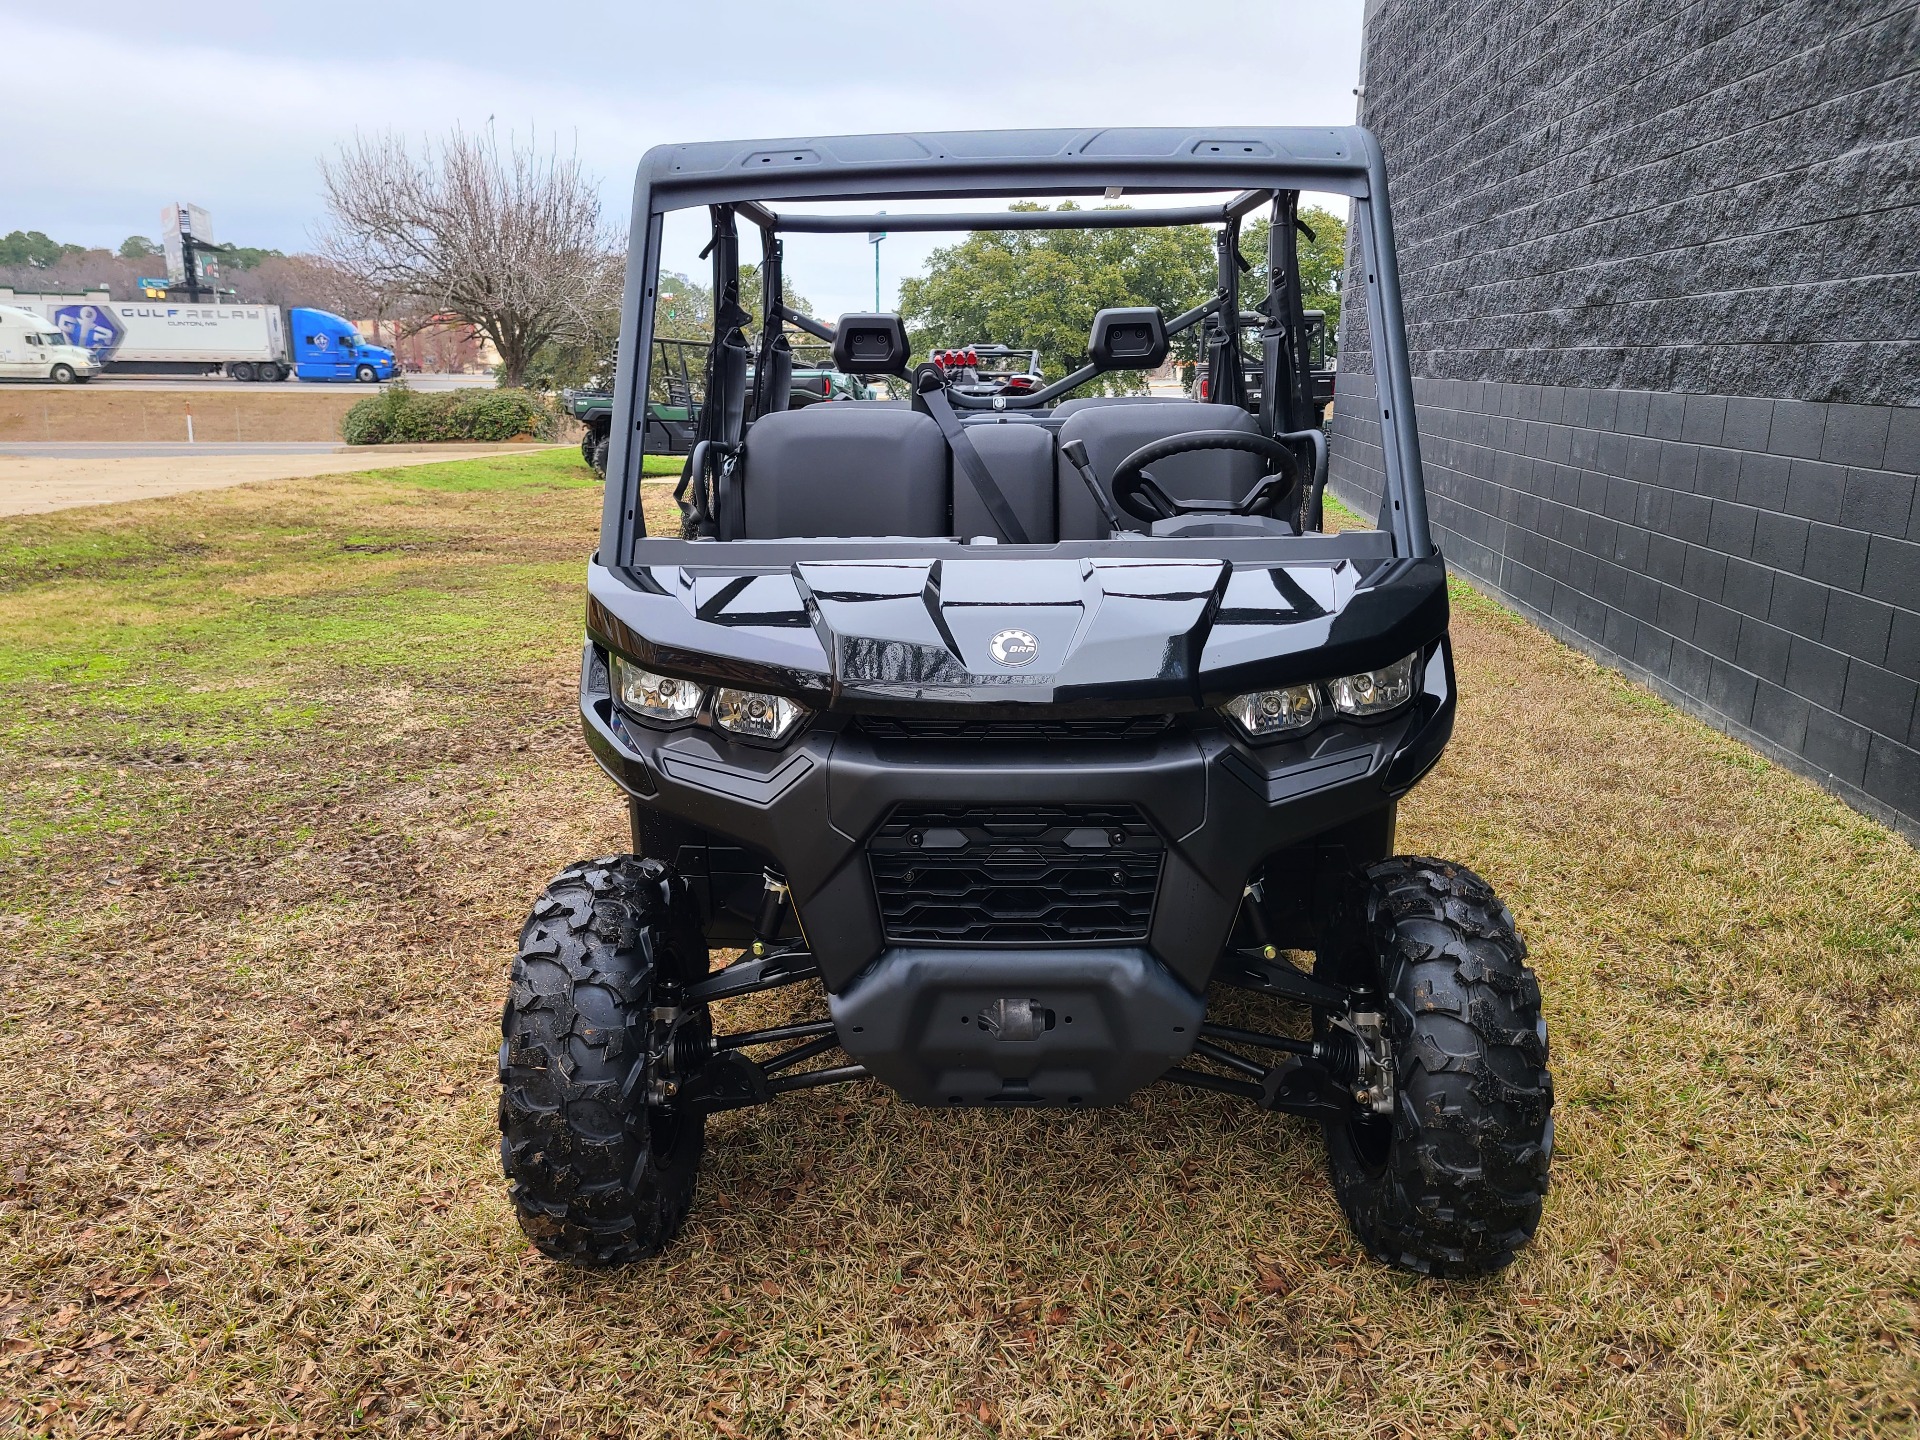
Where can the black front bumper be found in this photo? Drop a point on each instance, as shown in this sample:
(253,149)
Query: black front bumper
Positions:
(1217,806)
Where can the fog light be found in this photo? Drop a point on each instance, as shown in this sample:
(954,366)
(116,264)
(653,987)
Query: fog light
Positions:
(654,697)
(1266,713)
(1374,692)
(760,717)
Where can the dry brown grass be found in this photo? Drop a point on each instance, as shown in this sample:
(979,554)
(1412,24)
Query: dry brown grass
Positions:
(286,766)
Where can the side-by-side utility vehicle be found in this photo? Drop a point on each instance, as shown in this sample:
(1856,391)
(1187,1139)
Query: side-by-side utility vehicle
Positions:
(1049,740)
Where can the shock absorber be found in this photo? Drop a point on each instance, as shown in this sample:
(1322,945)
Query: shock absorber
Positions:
(773,908)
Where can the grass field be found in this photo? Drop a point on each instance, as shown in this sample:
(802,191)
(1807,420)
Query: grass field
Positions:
(284,767)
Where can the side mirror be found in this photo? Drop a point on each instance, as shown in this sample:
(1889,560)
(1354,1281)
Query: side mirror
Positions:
(1134,338)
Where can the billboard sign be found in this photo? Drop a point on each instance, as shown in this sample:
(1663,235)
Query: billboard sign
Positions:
(177,220)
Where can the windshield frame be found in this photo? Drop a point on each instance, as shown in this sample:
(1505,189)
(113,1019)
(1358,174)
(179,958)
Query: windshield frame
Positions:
(754,176)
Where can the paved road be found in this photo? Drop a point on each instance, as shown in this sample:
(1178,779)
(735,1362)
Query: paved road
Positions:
(220,382)
(42,477)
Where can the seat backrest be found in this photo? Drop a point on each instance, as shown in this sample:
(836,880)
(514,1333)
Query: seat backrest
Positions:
(843,469)
(1088,402)
(1020,459)
(1113,432)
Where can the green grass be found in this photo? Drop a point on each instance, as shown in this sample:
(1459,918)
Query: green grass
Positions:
(556,469)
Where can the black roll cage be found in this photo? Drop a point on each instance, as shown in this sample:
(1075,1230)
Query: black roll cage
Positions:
(1264,165)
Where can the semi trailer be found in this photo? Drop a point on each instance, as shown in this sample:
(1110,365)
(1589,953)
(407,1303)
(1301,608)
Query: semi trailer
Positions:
(246,342)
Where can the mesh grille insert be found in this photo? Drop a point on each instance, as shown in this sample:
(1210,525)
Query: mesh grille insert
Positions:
(1042,875)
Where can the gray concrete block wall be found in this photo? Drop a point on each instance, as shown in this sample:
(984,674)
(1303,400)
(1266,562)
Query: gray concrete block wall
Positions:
(1661,264)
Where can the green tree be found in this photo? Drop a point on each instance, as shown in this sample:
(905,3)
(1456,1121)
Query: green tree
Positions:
(241,257)
(1039,289)
(30,247)
(138,247)
(1322,260)
(683,308)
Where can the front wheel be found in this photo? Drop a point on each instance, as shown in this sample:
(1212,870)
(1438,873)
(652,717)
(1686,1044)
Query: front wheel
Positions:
(365,375)
(1450,1181)
(599,457)
(62,375)
(602,1162)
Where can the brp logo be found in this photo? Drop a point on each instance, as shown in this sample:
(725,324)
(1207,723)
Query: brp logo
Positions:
(1013,648)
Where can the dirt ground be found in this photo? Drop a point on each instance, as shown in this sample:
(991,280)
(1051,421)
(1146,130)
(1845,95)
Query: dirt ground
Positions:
(286,766)
(34,484)
(99,412)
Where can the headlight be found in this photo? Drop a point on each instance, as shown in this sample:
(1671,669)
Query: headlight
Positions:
(1374,692)
(760,717)
(657,697)
(1275,712)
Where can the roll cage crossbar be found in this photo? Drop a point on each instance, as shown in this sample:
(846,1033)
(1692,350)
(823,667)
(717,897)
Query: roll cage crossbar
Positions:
(1266,166)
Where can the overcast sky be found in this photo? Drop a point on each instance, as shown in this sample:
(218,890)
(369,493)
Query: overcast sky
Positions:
(234,109)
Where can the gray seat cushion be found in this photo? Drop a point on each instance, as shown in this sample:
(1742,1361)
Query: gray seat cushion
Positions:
(1020,459)
(1113,432)
(1087,402)
(844,469)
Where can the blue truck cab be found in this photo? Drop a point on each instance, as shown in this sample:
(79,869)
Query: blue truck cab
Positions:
(325,347)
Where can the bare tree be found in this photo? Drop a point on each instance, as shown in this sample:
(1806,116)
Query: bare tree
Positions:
(510,241)
(309,280)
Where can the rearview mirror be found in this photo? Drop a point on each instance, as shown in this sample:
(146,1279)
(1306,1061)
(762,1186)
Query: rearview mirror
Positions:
(1134,338)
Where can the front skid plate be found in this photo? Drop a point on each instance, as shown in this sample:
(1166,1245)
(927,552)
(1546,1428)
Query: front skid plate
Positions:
(1016,1026)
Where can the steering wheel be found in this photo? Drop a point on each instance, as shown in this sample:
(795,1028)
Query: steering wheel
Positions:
(1140,495)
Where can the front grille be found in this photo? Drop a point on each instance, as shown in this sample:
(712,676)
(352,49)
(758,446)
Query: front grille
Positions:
(1040,875)
(1097,727)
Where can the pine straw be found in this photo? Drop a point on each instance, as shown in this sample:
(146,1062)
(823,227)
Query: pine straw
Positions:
(265,860)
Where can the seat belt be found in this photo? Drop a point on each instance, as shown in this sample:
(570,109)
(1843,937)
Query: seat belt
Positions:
(934,397)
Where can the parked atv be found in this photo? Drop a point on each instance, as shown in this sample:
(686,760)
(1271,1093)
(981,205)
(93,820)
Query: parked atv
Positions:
(988,369)
(1020,728)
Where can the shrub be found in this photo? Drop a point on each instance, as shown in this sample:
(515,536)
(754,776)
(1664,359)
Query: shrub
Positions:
(402,416)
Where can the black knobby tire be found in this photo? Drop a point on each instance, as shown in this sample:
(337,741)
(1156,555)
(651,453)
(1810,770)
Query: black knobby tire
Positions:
(587,441)
(1453,1181)
(599,457)
(600,1176)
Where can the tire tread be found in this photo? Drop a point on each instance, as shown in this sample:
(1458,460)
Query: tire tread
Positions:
(593,1194)
(1465,1174)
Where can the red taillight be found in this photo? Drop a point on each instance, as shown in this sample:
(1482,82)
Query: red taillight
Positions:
(1203,387)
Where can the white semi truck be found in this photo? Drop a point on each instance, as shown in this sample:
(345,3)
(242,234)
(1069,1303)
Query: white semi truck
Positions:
(31,348)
